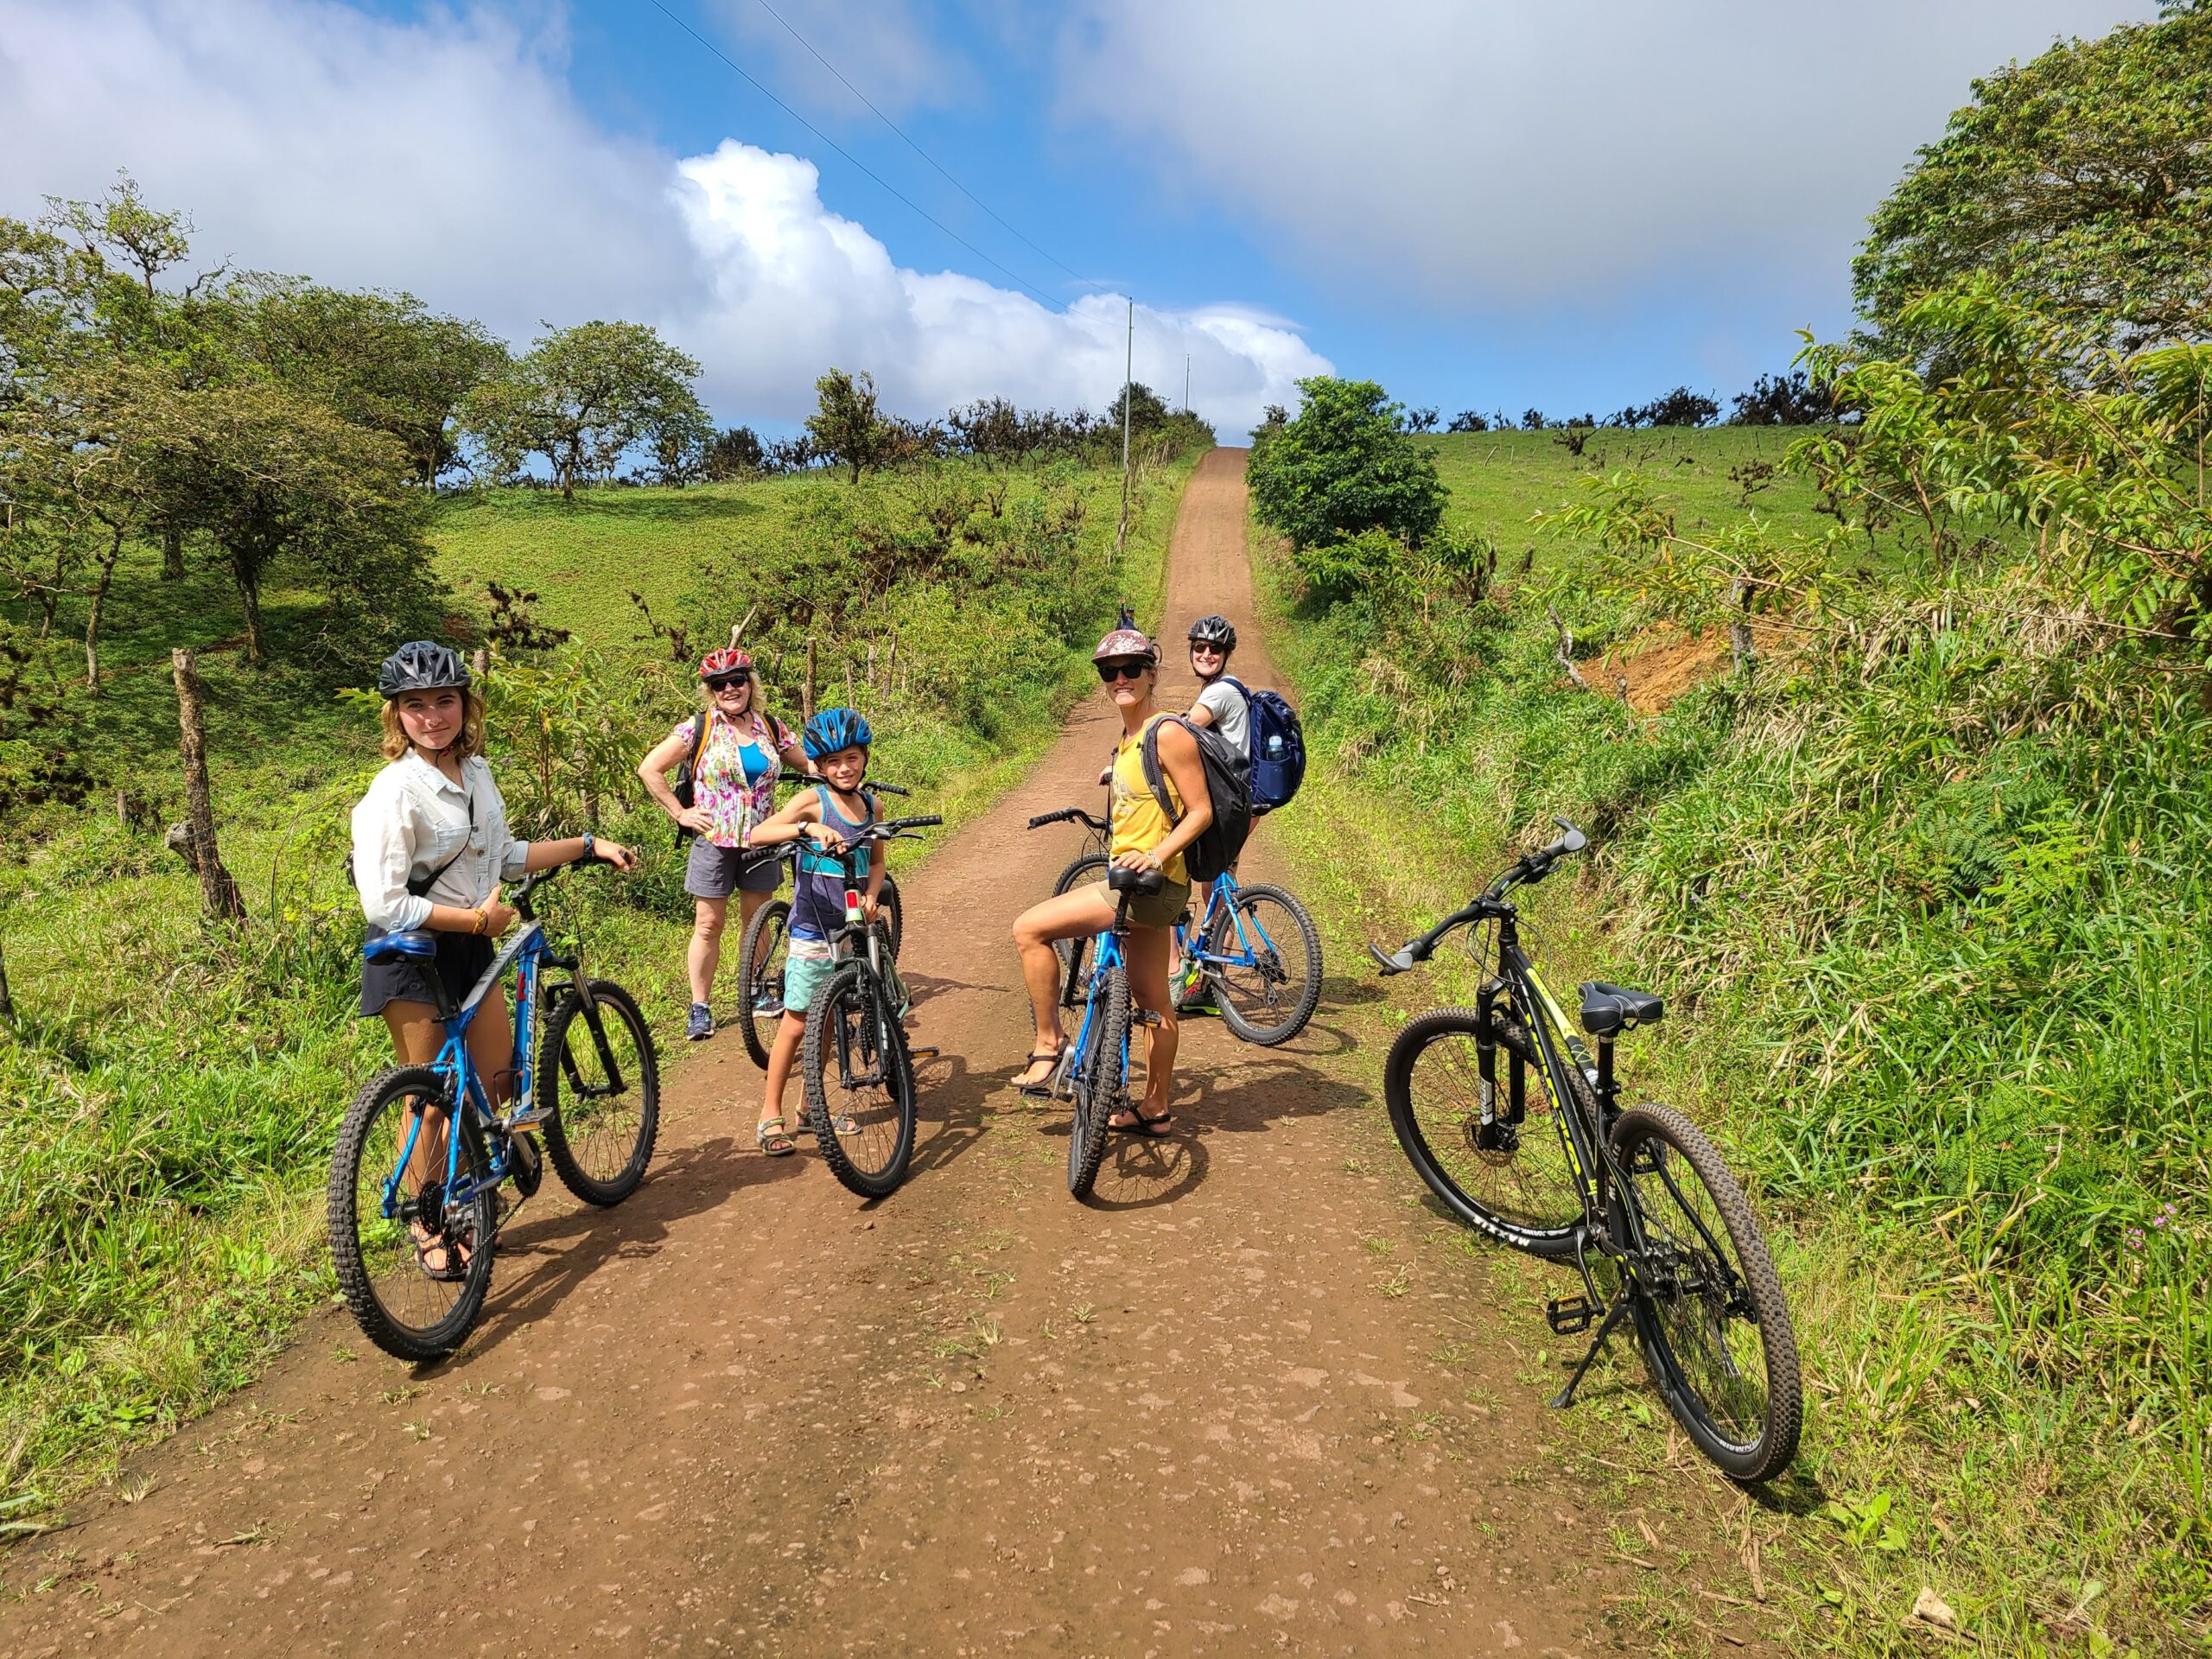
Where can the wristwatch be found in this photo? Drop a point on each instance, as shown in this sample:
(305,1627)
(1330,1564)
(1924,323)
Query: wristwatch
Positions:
(589,845)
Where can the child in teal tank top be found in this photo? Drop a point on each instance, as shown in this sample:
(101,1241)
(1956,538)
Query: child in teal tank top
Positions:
(823,816)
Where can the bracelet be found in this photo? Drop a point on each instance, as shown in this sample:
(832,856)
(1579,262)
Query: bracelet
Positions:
(483,920)
(589,845)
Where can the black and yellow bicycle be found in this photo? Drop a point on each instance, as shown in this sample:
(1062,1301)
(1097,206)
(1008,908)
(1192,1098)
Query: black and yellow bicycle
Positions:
(1637,1198)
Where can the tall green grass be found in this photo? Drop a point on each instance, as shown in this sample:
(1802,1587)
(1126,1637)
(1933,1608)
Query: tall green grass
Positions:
(169,1093)
(1933,913)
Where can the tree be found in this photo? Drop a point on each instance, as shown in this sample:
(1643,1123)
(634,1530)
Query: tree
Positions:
(1680,407)
(1781,400)
(271,474)
(846,425)
(1469,419)
(1420,420)
(1342,466)
(737,453)
(1148,412)
(2081,182)
(383,361)
(583,398)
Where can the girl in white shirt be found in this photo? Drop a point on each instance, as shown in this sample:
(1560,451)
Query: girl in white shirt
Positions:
(431,847)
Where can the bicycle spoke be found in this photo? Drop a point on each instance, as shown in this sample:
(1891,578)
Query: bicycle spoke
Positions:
(1517,1173)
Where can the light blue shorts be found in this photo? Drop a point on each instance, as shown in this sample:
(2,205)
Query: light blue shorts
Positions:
(807,967)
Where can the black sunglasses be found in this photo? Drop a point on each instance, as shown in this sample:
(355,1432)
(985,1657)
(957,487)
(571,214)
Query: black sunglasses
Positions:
(729,680)
(1110,673)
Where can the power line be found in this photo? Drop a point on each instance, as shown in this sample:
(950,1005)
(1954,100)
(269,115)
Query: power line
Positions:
(916,148)
(888,189)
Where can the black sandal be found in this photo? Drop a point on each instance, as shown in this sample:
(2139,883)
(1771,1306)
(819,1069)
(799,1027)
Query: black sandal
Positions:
(455,1270)
(1043,1089)
(1151,1128)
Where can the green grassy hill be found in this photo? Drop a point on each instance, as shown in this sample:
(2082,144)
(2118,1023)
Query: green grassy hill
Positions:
(1932,903)
(169,1095)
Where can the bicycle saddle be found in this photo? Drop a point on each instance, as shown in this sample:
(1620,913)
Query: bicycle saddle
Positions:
(1609,1008)
(1143,881)
(416,945)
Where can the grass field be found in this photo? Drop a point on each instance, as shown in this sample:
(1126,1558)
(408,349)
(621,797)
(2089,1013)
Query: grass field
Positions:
(1933,930)
(167,1097)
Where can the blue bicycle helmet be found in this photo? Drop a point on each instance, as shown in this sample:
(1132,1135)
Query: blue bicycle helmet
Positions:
(833,729)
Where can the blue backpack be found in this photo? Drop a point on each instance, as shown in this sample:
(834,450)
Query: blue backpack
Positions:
(1278,747)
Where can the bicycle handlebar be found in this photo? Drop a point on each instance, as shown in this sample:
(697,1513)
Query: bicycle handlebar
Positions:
(1069,815)
(521,897)
(1526,871)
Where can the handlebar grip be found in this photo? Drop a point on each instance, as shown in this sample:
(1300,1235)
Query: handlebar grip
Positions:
(1043,819)
(886,789)
(926,821)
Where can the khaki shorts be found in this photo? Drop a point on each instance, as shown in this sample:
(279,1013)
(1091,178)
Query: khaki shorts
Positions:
(1151,910)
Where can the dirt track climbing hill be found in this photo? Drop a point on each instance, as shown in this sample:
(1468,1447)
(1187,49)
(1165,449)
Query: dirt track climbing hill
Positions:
(1230,1406)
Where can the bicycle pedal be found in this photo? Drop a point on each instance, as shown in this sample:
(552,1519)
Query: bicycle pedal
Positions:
(525,1122)
(1569,1315)
(929,1053)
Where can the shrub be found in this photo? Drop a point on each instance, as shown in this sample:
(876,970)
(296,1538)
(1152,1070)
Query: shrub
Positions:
(1341,467)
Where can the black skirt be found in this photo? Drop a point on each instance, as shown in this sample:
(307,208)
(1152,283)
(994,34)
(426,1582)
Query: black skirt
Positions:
(461,962)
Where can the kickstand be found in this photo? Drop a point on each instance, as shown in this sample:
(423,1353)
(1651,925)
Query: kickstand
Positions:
(1566,1395)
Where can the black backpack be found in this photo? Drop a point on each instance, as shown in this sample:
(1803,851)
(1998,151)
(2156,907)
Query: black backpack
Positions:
(1229,785)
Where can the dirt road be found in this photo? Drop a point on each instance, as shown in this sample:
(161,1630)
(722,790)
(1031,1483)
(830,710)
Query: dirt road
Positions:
(1228,1408)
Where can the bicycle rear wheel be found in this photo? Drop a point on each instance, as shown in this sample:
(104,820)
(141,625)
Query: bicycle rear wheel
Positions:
(1710,1314)
(1269,1000)
(893,911)
(599,1083)
(1075,954)
(376,1206)
(1511,1181)
(763,951)
(1101,1078)
(860,1083)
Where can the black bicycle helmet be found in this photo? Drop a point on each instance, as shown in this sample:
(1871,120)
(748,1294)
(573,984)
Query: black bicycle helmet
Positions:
(833,729)
(422,665)
(1215,631)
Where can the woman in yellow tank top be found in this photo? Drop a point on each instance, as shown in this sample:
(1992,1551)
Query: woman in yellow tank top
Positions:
(1144,837)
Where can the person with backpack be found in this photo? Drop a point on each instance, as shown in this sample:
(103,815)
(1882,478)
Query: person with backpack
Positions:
(1160,807)
(431,847)
(726,759)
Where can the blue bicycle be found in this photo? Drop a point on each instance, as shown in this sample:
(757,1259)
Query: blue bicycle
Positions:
(1255,948)
(422,1151)
(1093,1071)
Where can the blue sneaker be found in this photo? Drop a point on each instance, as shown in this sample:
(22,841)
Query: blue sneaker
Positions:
(703,1022)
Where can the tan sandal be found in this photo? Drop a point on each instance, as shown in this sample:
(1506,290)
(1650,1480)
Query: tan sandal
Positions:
(768,1134)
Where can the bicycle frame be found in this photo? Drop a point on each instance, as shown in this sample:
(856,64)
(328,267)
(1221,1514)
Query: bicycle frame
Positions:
(1106,952)
(468,1103)
(1191,941)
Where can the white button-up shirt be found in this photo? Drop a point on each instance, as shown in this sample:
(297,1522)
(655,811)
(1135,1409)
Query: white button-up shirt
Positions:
(414,819)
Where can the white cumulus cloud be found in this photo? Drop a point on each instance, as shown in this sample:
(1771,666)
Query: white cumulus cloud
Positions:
(448,156)
(1529,156)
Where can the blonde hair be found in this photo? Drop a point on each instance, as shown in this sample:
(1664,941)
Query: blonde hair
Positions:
(471,741)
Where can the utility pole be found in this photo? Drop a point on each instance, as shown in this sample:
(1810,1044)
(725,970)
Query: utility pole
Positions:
(1187,383)
(1128,369)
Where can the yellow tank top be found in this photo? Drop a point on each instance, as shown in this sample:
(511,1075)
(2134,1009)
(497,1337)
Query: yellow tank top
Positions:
(1139,825)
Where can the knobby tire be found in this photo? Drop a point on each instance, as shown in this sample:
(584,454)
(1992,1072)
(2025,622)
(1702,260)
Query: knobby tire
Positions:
(1268,993)
(1740,1402)
(1101,1081)
(600,1145)
(849,1025)
(764,950)
(399,1307)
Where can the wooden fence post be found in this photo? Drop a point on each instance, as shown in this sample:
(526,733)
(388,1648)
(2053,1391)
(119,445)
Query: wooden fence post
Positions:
(7,1002)
(217,890)
(807,698)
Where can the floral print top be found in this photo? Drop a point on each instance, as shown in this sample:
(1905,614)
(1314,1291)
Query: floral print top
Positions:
(735,778)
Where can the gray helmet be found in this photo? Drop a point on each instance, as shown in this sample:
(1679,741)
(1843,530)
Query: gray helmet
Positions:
(422,665)
(1214,631)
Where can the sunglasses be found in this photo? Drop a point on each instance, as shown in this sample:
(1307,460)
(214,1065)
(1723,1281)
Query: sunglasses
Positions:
(1206,647)
(731,683)
(1110,673)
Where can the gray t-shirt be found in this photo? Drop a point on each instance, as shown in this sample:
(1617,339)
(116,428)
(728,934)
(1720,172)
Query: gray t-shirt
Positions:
(1231,711)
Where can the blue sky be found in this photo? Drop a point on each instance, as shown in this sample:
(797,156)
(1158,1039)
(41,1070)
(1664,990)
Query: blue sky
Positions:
(1475,203)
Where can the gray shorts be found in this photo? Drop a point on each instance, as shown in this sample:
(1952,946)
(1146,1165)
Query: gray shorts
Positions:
(714,872)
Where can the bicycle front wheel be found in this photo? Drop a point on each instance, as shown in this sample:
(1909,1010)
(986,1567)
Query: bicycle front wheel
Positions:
(1102,1080)
(763,951)
(1271,983)
(1709,1311)
(598,1084)
(1510,1180)
(386,1194)
(860,1083)
(893,912)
